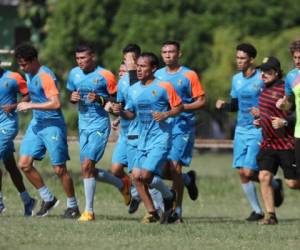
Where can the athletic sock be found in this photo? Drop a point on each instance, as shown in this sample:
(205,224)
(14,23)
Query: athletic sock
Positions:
(25,197)
(89,191)
(275,184)
(178,210)
(186,179)
(157,198)
(134,193)
(45,194)
(105,176)
(1,198)
(71,202)
(250,191)
(161,186)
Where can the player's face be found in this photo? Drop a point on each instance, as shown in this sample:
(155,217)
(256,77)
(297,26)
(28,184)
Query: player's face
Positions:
(268,76)
(296,59)
(25,66)
(170,54)
(144,68)
(122,70)
(243,60)
(85,60)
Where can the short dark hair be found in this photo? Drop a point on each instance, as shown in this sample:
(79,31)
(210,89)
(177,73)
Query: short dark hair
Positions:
(171,42)
(26,51)
(247,48)
(132,47)
(154,61)
(84,47)
(295,46)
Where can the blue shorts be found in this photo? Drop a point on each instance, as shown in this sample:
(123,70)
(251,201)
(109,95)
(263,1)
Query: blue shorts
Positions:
(245,149)
(182,148)
(50,136)
(120,152)
(7,137)
(131,152)
(92,143)
(152,160)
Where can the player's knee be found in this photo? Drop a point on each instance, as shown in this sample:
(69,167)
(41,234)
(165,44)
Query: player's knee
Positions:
(117,170)
(87,168)
(293,184)
(265,177)
(25,165)
(60,171)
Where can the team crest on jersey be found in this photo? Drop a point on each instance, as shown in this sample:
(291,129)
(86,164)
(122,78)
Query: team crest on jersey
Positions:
(154,92)
(96,80)
(5,84)
(256,86)
(179,82)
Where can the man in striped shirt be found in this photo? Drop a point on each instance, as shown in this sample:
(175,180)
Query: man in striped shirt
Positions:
(277,146)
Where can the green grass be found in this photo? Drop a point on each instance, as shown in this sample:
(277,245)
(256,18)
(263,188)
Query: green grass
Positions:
(214,221)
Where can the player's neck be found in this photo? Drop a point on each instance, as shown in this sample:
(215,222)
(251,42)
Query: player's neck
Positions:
(35,68)
(249,72)
(90,69)
(174,68)
(148,81)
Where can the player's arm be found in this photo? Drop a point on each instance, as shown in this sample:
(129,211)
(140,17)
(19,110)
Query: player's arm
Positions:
(52,103)
(117,109)
(286,103)
(161,116)
(231,106)
(198,103)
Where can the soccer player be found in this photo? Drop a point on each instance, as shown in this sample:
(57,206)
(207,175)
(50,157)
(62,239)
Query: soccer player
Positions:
(245,90)
(292,91)
(277,147)
(12,84)
(90,86)
(46,131)
(189,88)
(122,70)
(152,101)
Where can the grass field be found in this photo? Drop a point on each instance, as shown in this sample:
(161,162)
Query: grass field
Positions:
(214,221)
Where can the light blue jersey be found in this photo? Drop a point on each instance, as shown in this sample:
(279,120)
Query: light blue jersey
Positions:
(290,81)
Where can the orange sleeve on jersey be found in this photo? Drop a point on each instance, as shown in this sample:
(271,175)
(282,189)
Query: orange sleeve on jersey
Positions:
(174,99)
(21,82)
(196,86)
(110,80)
(49,85)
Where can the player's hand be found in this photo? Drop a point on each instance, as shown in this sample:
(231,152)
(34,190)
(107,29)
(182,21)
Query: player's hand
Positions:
(129,60)
(24,106)
(9,108)
(160,116)
(117,108)
(92,97)
(115,124)
(278,122)
(283,103)
(75,96)
(219,104)
(254,111)
(108,107)
(256,123)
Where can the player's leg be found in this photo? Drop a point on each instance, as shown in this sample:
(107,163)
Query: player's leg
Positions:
(2,207)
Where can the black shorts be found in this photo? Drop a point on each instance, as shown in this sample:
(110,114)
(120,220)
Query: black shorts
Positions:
(297,153)
(270,160)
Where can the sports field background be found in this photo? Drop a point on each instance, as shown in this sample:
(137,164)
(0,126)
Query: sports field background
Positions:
(214,221)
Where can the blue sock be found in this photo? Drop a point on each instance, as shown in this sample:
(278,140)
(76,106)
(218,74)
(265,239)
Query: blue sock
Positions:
(178,210)
(250,191)
(25,197)
(71,202)
(134,193)
(275,184)
(45,194)
(1,199)
(107,177)
(186,179)
(89,191)
(161,186)
(157,199)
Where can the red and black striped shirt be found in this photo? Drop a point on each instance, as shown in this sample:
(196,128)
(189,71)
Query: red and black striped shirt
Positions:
(277,139)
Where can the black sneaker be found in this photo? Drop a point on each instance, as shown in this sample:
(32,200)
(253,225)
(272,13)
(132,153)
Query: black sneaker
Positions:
(192,187)
(168,206)
(255,216)
(72,213)
(46,207)
(29,207)
(175,218)
(134,205)
(278,194)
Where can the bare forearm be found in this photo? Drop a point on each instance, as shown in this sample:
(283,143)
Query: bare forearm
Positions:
(197,104)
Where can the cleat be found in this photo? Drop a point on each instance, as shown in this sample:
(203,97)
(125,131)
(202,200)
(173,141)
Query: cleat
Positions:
(125,191)
(192,187)
(29,207)
(72,213)
(278,194)
(134,205)
(2,208)
(175,218)
(150,218)
(87,216)
(255,216)
(46,207)
(168,205)
(270,219)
